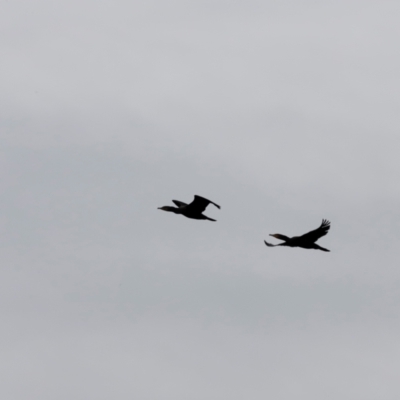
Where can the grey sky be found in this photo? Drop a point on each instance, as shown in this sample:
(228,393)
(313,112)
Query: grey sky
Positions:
(283,113)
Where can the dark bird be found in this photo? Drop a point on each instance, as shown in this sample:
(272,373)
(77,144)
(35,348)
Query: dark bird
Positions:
(306,241)
(193,210)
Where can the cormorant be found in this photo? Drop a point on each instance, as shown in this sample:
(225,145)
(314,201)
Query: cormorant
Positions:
(193,210)
(307,241)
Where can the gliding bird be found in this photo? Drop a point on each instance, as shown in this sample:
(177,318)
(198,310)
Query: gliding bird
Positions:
(193,210)
(306,241)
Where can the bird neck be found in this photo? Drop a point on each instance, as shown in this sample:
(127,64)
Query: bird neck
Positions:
(282,237)
(172,209)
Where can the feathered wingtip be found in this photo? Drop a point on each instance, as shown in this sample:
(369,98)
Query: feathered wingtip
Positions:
(325,223)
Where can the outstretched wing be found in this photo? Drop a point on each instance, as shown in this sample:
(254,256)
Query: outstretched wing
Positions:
(199,204)
(314,235)
(179,203)
(270,245)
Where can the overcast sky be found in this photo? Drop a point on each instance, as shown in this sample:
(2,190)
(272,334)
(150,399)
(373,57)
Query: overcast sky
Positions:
(284,113)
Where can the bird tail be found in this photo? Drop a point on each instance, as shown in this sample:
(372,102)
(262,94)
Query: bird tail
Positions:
(320,248)
(210,219)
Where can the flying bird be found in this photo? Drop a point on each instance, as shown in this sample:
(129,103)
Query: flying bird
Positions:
(193,210)
(306,241)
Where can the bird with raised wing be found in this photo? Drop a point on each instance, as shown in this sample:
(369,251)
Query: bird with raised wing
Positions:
(306,241)
(193,210)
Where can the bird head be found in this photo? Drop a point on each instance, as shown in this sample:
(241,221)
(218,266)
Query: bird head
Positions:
(279,236)
(166,208)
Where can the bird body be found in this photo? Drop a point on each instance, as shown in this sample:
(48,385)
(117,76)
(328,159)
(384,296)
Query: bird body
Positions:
(306,241)
(194,210)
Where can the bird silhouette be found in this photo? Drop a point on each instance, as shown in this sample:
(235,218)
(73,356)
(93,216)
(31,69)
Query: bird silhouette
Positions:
(306,241)
(193,210)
